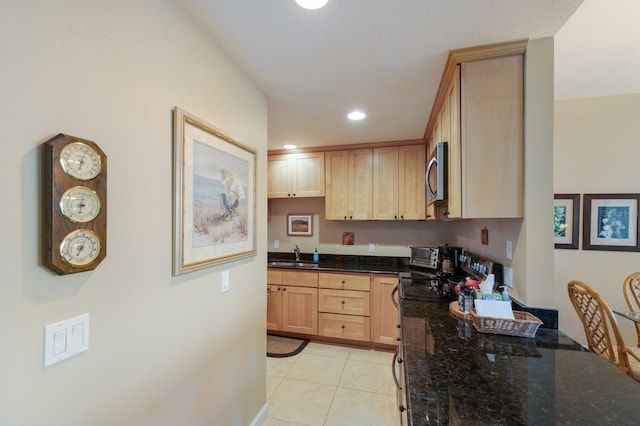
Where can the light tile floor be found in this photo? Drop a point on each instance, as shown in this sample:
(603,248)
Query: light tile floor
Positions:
(331,385)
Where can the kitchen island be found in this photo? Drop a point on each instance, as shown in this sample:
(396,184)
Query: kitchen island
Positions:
(455,375)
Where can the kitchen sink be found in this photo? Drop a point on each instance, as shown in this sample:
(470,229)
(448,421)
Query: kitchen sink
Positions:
(287,264)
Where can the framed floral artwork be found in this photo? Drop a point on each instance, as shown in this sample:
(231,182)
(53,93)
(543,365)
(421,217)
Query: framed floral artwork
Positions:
(566,220)
(610,222)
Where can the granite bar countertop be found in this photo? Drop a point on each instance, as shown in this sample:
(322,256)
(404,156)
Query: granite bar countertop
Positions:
(455,375)
(344,263)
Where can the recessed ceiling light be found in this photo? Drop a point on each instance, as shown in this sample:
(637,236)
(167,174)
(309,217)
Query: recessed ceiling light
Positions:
(289,146)
(312,4)
(356,115)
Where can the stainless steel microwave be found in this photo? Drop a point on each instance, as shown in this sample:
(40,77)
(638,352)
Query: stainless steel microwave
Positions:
(436,176)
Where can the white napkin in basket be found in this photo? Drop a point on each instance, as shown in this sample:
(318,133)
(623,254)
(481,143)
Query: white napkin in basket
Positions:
(494,309)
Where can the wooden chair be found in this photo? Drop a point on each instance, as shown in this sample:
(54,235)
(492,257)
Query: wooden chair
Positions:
(631,291)
(599,325)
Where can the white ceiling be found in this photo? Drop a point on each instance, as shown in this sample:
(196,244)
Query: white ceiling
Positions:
(386,57)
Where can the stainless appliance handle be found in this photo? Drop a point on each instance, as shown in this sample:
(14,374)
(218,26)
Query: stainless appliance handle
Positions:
(395,360)
(432,162)
(393,299)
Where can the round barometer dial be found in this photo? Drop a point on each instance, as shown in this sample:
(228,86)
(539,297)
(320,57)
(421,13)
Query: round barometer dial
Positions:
(80,247)
(80,204)
(80,161)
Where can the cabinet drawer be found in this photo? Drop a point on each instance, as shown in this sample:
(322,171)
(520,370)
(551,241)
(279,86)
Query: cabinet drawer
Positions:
(274,276)
(344,326)
(359,282)
(300,278)
(343,302)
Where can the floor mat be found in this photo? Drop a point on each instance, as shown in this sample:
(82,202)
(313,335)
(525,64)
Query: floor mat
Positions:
(281,347)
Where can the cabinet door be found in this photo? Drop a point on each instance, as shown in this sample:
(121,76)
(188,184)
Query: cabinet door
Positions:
(411,181)
(295,175)
(385,183)
(274,307)
(336,202)
(279,177)
(361,184)
(492,138)
(308,174)
(300,310)
(384,314)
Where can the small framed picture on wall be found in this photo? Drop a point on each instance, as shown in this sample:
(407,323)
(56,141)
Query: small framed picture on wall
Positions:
(300,225)
(610,222)
(566,220)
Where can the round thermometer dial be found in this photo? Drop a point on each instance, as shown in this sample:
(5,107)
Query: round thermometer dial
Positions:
(80,161)
(80,247)
(80,204)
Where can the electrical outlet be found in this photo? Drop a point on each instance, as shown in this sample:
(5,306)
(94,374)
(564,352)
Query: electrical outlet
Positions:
(509,250)
(508,276)
(276,243)
(372,247)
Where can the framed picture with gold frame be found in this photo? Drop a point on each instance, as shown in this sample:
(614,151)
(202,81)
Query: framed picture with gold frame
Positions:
(214,196)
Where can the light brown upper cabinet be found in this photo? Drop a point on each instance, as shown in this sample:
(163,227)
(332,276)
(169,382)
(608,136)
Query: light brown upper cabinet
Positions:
(411,181)
(479,112)
(383,183)
(399,182)
(296,175)
(348,182)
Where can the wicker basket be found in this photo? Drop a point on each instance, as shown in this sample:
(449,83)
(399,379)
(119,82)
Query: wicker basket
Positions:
(524,324)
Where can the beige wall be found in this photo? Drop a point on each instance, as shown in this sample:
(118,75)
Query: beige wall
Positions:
(163,350)
(596,150)
(391,238)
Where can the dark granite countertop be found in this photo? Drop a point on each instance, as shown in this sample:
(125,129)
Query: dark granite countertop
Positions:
(344,263)
(455,375)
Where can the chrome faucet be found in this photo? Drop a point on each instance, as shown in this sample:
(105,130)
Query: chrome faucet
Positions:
(296,250)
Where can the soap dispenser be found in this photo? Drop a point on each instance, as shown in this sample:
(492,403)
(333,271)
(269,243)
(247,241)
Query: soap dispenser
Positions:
(505,294)
(316,256)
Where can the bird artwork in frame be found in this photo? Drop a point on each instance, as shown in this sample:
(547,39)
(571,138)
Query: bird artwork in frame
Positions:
(214,196)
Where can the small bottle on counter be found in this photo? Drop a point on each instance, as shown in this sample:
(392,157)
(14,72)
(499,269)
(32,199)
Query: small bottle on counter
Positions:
(505,294)
(468,300)
(316,256)
(461,297)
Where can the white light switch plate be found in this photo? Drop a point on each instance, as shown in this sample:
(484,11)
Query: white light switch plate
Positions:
(372,247)
(509,250)
(65,339)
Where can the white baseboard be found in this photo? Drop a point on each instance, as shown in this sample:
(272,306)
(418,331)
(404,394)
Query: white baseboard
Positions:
(261,417)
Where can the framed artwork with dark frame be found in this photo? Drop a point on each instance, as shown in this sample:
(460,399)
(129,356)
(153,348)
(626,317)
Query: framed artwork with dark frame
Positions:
(214,196)
(610,222)
(300,225)
(566,221)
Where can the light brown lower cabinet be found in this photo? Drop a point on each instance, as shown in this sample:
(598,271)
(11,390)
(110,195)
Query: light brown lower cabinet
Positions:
(274,307)
(299,305)
(351,306)
(292,301)
(384,314)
